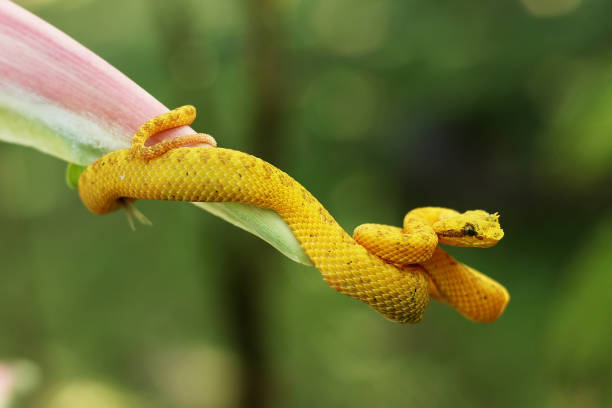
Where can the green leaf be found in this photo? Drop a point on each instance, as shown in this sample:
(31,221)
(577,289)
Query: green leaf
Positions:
(82,108)
(73,172)
(263,223)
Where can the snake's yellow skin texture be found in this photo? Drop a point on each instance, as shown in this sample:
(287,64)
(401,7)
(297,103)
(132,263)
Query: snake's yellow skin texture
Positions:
(168,171)
(474,295)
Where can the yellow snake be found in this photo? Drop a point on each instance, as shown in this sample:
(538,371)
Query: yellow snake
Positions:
(393,270)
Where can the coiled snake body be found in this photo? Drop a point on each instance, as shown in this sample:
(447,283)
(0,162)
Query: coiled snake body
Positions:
(391,269)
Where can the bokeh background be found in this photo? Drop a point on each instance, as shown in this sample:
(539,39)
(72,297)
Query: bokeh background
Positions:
(376,106)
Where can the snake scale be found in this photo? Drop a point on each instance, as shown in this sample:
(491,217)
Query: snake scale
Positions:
(394,270)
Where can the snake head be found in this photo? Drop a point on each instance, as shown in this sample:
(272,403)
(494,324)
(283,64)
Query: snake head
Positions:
(475,228)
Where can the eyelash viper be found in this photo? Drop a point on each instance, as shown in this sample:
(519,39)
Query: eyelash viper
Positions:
(393,270)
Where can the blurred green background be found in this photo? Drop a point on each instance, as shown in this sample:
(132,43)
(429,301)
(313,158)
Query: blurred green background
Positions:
(376,106)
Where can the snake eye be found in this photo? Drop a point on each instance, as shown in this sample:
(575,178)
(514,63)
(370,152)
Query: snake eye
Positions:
(469,230)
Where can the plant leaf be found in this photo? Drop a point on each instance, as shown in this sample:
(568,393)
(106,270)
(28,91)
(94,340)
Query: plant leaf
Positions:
(62,99)
(263,223)
(73,172)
